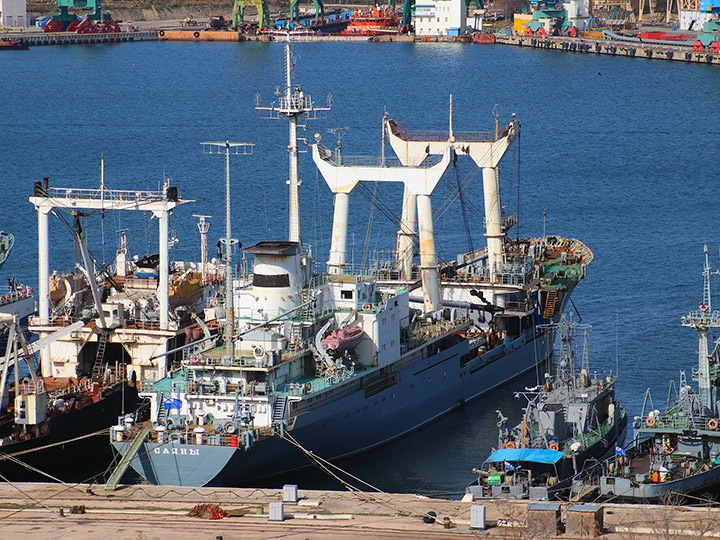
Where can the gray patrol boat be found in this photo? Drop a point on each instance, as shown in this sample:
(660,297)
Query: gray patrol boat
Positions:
(678,451)
(570,419)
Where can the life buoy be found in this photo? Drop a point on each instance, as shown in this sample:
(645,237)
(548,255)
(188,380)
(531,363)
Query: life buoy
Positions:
(650,422)
(30,291)
(196,35)
(307,387)
(213,301)
(669,450)
(194,358)
(510,445)
(703,307)
(554,446)
(712,424)
(162,33)
(366,307)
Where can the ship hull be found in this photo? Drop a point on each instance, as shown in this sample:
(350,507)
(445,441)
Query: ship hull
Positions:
(76,447)
(700,484)
(350,418)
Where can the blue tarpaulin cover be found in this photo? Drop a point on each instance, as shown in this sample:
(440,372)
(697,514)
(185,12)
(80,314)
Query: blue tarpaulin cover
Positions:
(538,455)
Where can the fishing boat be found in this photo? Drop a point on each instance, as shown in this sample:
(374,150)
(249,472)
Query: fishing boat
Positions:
(55,428)
(571,418)
(676,451)
(146,302)
(272,396)
(99,325)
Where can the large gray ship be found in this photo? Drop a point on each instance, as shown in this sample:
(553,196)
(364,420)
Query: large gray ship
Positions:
(329,364)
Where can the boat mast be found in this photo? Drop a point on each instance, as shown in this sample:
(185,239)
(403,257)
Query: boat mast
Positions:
(292,103)
(701,321)
(227,148)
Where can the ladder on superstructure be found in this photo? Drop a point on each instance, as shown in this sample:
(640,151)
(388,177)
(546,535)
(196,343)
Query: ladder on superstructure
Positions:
(306,312)
(550,304)
(98,367)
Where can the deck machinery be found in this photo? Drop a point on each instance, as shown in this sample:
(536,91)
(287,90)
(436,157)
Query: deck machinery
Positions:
(238,14)
(550,18)
(709,39)
(64,21)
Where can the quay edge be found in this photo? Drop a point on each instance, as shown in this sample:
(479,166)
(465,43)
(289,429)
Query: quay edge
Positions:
(611,48)
(134,510)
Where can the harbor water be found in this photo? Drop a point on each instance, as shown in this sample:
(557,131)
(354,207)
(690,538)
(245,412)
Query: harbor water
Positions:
(616,152)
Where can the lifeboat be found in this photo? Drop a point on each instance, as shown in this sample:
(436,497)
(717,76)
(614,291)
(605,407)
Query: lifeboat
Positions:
(338,341)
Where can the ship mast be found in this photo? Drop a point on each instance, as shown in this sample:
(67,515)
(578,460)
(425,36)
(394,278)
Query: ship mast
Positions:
(292,103)
(227,149)
(701,321)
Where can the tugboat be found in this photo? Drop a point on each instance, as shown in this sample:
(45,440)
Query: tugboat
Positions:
(677,451)
(7,44)
(375,21)
(431,336)
(569,421)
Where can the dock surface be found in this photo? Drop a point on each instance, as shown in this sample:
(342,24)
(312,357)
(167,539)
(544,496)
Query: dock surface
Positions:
(160,512)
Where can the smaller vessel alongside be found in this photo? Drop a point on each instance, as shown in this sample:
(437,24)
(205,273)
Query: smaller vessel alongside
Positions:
(7,44)
(677,451)
(7,241)
(15,299)
(569,420)
(55,427)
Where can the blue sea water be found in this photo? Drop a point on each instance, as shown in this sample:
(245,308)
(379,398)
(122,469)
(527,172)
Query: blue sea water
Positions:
(616,152)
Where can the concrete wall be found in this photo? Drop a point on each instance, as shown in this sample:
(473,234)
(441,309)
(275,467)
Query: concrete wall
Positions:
(13,13)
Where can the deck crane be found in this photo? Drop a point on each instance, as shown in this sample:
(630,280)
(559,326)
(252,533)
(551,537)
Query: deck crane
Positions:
(97,21)
(550,18)
(238,14)
(295,10)
(709,39)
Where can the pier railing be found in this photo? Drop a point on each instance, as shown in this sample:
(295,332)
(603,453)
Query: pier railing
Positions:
(651,424)
(342,160)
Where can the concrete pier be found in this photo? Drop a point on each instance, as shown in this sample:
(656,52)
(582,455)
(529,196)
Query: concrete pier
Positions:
(669,52)
(161,512)
(71,38)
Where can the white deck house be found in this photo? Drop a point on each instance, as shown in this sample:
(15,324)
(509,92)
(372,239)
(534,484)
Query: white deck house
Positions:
(13,13)
(437,17)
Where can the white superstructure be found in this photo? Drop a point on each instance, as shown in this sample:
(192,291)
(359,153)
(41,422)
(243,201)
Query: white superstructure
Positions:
(436,18)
